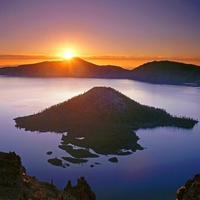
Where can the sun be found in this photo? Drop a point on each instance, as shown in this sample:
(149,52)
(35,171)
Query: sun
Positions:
(68,54)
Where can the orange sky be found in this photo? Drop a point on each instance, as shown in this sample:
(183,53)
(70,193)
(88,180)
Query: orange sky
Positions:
(124,33)
(128,62)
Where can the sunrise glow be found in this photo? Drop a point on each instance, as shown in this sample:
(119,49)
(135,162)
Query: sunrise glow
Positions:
(60,29)
(68,54)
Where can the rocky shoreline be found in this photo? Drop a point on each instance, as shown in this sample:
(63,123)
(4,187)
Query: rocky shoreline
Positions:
(17,185)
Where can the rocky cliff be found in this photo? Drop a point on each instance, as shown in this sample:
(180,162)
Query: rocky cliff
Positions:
(191,190)
(15,184)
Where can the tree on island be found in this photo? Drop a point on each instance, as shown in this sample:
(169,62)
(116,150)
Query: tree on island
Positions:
(104,118)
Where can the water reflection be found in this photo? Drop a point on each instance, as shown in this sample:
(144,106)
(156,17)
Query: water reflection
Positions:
(99,122)
(117,142)
(172,155)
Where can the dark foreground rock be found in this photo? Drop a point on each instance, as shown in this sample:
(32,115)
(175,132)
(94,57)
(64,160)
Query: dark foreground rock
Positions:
(15,184)
(80,192)
(191,190)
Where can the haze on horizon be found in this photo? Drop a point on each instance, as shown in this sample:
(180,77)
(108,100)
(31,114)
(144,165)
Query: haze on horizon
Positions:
(125,33)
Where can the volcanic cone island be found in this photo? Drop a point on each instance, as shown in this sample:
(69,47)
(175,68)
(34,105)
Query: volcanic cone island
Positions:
(104,118)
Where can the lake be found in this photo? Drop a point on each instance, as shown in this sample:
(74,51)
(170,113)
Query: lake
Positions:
(171,155)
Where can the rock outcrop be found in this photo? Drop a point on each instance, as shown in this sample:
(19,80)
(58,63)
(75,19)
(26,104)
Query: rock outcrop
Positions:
(191,190)
(80,192)
(15,184)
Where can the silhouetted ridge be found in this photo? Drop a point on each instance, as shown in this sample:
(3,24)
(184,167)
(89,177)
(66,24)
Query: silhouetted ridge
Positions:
(161,72)
(167,72)
(74,67)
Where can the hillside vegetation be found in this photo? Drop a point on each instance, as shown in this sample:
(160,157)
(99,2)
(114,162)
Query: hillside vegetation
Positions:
(104,117)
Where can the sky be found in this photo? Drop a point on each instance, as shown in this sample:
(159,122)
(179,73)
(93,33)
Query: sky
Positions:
(126,33)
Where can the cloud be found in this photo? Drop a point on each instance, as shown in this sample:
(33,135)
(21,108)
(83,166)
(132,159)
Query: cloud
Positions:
(140,57)
(104,57)
(24,57)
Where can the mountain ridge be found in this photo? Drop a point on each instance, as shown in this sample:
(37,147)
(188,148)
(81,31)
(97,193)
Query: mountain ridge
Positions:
(156,72)
(168,72)
(74,67)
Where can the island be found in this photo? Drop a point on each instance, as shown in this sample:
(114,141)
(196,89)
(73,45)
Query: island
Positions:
(102,120)
(16,184)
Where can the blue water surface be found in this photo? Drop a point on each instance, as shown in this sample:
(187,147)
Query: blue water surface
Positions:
(171,155)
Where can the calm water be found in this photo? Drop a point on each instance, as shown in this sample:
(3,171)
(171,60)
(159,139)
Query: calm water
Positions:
(171,155)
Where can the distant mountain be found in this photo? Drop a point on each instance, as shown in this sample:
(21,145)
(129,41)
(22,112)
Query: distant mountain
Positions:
(167,72)
(158,72)
(104,119)
(75,67)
